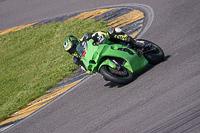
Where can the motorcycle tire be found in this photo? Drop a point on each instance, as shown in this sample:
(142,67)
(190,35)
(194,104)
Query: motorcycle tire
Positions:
(156,56)
(114,75)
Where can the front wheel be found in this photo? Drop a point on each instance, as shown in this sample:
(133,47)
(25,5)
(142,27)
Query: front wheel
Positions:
(156,54)
(122,76)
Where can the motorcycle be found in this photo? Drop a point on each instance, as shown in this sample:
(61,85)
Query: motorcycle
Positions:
(119,63)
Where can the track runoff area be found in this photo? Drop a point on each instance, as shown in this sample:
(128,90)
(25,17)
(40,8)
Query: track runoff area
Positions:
(133,19)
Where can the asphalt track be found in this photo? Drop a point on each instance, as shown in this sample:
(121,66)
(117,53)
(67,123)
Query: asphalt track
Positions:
(165,98)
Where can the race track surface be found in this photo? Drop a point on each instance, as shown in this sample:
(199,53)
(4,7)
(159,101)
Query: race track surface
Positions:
(165,98)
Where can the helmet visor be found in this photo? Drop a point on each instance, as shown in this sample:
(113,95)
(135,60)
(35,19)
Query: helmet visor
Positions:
(72,50)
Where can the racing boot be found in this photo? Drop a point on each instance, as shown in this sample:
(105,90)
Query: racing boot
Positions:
(135,42)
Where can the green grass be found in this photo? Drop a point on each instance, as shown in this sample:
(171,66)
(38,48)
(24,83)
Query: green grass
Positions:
(33,60)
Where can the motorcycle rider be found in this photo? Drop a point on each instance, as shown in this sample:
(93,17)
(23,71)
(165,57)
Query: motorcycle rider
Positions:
(78,48)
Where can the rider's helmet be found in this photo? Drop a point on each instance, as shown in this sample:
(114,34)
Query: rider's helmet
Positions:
(70,44)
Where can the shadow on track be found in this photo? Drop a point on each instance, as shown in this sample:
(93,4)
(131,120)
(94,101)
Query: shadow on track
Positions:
(166,58)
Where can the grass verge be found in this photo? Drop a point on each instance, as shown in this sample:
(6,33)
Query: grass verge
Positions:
(33,61)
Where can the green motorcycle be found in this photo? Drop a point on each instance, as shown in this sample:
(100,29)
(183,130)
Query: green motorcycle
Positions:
(118,63)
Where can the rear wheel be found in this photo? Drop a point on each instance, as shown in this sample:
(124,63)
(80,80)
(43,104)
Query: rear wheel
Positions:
(122,76)
(156,55)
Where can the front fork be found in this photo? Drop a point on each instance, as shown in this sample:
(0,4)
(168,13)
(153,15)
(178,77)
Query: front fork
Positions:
(118,66)
(113,64)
